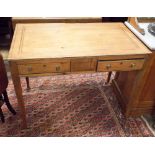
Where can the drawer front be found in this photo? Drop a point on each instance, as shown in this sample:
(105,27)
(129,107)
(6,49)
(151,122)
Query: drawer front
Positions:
(121,65)
(83,64)
(51,67)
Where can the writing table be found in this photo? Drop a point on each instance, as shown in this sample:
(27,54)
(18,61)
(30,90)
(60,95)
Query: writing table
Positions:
(42,49)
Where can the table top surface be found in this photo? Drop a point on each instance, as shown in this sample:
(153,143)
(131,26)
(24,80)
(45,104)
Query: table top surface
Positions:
(63,40)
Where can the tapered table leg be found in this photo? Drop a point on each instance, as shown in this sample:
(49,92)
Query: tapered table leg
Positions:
(109,77)
(28,83)
(18,91)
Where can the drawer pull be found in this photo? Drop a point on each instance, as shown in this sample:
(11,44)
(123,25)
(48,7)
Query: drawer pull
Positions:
(57,68)
(44,66)
(29,69)
(133,65)
(108,66)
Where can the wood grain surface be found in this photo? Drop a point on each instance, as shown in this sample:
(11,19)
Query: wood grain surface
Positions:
(34,41)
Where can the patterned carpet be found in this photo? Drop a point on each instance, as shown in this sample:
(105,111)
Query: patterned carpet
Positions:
(71,105)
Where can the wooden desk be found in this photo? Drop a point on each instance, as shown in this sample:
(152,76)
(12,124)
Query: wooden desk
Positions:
(29,20)
(42,49)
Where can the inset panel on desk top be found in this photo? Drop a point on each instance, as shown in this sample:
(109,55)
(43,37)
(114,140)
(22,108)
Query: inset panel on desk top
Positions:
(73,40)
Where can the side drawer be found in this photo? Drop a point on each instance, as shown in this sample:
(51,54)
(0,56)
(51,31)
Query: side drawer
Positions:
(50,67)
(120,65)
(83,64)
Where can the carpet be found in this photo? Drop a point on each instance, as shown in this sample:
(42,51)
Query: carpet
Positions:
(78,105)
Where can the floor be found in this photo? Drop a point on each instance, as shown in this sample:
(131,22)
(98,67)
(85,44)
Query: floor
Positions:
(74,105)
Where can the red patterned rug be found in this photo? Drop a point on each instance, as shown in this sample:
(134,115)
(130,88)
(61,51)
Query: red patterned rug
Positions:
(71,105)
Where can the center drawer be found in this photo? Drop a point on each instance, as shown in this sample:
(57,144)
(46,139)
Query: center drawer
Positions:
(120,65)
(83,64)
(49,67)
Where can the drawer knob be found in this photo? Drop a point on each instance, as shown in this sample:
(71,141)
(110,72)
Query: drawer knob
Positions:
(108,66)
(133,65)
(44,65)
(57,68)
(29,68)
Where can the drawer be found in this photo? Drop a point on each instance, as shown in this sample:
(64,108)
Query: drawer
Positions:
(120,65)
(83,64)
(50,67)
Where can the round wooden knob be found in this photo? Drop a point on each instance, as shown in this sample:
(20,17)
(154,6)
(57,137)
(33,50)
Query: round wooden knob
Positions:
(57,68)
(29,68)
(133,65)
(108,66)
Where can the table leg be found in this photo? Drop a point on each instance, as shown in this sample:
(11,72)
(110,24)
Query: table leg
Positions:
(109,77)
(18,91)
(28,83)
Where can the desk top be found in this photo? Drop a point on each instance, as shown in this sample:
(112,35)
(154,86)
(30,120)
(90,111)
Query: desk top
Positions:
(62,40)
